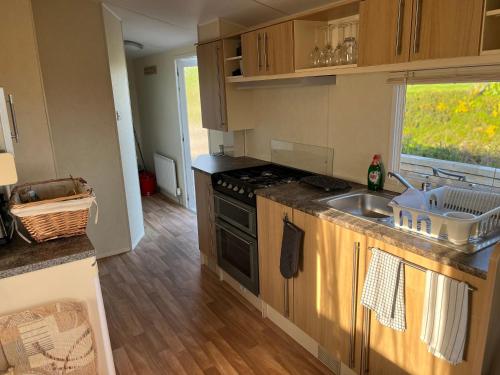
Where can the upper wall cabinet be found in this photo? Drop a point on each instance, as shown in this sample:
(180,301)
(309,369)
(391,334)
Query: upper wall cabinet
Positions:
(20,76)
(212,85)
(393,31)
(223,107)
(268,51)
(384,31)
(446,28)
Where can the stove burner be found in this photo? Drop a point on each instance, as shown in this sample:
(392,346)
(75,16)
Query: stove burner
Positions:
(242,183)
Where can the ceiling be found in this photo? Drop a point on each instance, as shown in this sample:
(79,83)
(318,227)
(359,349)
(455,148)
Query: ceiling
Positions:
(161,25)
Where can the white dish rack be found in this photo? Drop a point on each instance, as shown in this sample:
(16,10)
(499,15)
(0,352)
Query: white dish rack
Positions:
(457,215)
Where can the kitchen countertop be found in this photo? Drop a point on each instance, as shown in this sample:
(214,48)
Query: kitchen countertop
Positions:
(18,256)
(303,198)
(215,164)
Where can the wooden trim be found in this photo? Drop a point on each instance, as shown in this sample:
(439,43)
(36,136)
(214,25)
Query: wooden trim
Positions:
(483,60)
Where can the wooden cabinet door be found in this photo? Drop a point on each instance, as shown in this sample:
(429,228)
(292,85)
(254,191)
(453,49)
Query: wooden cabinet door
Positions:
(270,230)
(212,85)
(398,353)
(384,31)
(205,214)
(446,28)
(252,56)
(278,48)
(325,290)
(20,75)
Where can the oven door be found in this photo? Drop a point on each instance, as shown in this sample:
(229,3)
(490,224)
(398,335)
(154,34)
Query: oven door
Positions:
(237,254)
(239,214)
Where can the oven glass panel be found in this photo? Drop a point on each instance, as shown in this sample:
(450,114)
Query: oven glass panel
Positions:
(236,214)
(236,252)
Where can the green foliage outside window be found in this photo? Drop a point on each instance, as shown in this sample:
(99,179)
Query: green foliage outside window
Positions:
(456,122)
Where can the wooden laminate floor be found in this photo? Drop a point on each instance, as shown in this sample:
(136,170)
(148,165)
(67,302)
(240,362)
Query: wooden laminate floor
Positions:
(168,315)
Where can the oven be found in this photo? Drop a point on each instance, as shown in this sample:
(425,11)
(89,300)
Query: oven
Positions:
(237,249)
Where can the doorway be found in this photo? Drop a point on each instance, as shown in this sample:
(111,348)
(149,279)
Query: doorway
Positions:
(195,141)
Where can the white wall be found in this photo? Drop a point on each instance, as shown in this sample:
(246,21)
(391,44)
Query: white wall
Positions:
(121,95)
(354,117)
(75,70)
(134,104)
(158,107)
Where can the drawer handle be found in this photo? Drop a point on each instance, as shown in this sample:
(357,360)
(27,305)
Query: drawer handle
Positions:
(12,108)
(354,297)
(399,31)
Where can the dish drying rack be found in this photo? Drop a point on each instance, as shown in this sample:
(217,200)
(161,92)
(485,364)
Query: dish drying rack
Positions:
(457,215)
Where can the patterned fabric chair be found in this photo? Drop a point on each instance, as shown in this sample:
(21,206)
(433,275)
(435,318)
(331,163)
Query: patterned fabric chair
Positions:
(51,339)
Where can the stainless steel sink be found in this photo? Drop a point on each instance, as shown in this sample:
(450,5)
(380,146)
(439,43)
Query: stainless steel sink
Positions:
(364,204)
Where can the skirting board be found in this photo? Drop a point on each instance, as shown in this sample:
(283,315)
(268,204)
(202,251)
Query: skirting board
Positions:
(303,339)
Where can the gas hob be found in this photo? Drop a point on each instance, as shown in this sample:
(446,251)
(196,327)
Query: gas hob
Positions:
(241,184)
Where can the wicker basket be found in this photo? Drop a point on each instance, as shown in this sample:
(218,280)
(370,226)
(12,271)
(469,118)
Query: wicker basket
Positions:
(61,208)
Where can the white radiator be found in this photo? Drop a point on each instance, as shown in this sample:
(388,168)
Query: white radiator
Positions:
(166,175)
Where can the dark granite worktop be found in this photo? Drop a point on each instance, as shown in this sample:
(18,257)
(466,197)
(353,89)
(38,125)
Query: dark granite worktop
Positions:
(215,164)
(18,256)
(303,198)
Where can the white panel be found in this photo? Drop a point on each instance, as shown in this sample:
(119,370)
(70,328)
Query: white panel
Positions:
(166,176)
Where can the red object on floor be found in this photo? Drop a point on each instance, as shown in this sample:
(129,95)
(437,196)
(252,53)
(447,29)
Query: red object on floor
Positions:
(148,183)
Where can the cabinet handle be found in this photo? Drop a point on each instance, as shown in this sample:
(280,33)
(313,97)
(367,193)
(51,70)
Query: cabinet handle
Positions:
(354,298)
(418,26)
(286,301)
(12,108)
(222,122)
(399,31)
(259,61)
(266,61)
(365,344)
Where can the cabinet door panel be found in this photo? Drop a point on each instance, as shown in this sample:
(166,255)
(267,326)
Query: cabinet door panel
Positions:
(384,31)
(270,229)
(251,49)
(20,75)
(205,214)
(398,353)
(278,48)
(446,28)
(324,290)
(212,85)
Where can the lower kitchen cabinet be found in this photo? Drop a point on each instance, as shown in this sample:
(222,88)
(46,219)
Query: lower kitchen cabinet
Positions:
(270,233)
(391,352)
(325,290)
(205,214)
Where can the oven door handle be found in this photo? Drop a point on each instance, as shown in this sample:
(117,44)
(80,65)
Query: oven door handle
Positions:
(222,225)
(240,206)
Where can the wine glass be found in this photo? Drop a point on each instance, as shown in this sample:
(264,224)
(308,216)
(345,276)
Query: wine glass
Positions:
(337,54)
(327,51)
(315,55)
(350,46)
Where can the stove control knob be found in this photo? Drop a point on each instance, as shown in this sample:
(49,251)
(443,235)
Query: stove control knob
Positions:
(242,191)
(219,182)
(230,186)
(236,188)
(250,195)
(224,184)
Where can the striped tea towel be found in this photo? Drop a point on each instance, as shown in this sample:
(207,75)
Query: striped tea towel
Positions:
(444,317)
(383,291)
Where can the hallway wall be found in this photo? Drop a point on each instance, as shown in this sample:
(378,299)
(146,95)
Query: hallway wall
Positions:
(158,108)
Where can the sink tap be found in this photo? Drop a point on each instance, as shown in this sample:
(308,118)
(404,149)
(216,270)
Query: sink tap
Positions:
(401,179)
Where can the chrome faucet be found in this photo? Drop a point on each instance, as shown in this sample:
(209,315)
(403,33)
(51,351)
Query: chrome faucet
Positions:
(401,179)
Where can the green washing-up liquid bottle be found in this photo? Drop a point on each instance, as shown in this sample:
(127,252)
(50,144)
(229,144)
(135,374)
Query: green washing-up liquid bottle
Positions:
(375,174)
